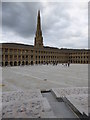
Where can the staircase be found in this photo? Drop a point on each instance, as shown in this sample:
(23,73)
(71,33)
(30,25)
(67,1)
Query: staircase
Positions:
(60,109)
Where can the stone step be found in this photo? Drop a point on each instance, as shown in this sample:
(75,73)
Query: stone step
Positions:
(61,110)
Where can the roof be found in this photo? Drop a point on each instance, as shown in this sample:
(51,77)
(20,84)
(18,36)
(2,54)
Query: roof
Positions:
(20,45)
(16,45)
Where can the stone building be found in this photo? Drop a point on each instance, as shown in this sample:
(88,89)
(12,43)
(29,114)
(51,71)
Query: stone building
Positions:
(14,54)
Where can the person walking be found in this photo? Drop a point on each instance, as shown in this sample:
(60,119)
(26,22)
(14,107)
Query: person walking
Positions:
(68,64)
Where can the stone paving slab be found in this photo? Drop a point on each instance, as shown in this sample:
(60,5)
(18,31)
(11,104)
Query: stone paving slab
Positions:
(44,77)
(20,95)
(34,108)
(80,102)
(61,92)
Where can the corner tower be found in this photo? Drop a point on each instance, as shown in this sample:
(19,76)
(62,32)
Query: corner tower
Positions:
(38,38)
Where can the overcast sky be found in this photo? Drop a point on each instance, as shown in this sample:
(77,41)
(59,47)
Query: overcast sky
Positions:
(63,24)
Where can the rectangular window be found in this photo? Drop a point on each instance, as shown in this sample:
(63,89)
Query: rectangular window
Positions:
(6,49)
(26,56)
(11,56)
(31,51)
(31,56)
(23,56)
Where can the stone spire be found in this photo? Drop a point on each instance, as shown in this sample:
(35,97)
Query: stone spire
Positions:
(38,38)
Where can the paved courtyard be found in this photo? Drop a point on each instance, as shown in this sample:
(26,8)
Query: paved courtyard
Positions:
(44,77)
(22,97)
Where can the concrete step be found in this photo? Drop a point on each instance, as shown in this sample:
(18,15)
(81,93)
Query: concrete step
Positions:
(60,109)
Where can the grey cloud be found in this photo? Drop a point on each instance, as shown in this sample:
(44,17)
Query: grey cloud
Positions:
(20,17)
(57,24)
(57,18)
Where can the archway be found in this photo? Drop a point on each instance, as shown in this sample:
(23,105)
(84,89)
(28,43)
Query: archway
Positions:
(23,63)
(11,63)
(81,61)
(19,63)
(36,62)
(39,62)
(6,63)
(78,61)
(26,62)
(42,62)
(31,62)
(15,63)
(2,64)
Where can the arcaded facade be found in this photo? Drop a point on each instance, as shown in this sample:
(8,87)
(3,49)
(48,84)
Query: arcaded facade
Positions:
(14,54)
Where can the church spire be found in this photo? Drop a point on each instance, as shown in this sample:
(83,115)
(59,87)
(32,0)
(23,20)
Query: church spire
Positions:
(38,21)
(38,39)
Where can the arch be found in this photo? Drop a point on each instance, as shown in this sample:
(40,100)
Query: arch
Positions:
(47,62)
(19,63)
(6,63)
(26,62)
(22,62)
(39,62)
(42,62)
(2,64)
(11,63)
(36,62)
(15,63)
(78,61)
(31,62)
(81,61)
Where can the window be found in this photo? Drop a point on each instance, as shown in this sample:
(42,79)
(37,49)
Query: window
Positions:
(6,49)
(11,50)
(19,56)
(26,56)
(11,56)
(23,56)
(15,50)
(32,51)
(15,56)
(6,56)
(31,56)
